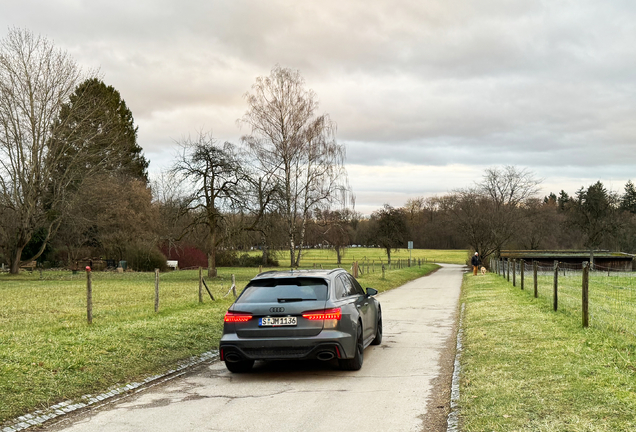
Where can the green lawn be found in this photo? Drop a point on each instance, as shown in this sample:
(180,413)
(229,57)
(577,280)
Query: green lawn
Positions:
(49,353)
(527,368)
(612,296)
(377,255)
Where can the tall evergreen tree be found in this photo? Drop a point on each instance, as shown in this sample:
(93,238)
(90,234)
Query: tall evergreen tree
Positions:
(97,120)
(563,200)
(628,200)
(594,213)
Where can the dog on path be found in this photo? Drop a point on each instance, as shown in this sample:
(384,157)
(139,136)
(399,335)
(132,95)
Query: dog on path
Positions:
(483,270)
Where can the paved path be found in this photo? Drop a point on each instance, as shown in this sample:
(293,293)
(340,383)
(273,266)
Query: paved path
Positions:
(389,393)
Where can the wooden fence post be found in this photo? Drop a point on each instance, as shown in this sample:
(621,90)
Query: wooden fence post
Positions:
(556,285)
(383,270)
(355,269)
(234,285)
(585,294)
(89,295)
(200,285)
(535,270)
(508,268)
(260,269)
(522,265)
(514,272)
(156,290)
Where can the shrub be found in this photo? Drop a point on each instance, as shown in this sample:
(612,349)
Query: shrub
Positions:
(142,258)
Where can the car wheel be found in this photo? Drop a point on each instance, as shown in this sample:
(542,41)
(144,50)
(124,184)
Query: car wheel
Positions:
(239,366)
(355,363)
(378,331)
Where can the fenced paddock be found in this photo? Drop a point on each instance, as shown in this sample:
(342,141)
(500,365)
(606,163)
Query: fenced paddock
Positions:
(611,293)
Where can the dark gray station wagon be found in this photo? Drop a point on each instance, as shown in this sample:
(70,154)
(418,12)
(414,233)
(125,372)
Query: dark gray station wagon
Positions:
(305,314)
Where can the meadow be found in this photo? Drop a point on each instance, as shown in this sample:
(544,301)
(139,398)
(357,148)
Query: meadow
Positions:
(527,368)
(327,257)
(612,295)
(49,353)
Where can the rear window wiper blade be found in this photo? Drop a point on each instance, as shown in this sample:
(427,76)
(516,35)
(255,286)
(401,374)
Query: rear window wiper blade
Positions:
(297,299)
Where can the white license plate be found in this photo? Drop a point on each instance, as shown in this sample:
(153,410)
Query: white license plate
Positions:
(277,321)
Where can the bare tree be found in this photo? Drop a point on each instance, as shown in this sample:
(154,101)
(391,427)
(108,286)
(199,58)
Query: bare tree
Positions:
(36,80)
(490,214)
(509,186)
(216,188)
(295,148)
(336,229)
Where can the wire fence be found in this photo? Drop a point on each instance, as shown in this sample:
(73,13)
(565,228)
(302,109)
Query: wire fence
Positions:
(611,293)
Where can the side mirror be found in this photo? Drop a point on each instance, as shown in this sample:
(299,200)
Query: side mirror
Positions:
(371,292)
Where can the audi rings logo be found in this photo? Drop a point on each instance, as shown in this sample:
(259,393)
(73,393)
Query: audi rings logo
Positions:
(277,309)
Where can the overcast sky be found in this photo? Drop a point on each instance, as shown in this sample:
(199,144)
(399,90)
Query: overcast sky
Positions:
(426,93)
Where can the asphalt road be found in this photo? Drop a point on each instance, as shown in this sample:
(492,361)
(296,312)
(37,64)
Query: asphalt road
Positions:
(390,393)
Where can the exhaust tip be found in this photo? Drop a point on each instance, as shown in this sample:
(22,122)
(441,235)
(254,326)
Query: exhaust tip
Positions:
(325,355)
(232,357)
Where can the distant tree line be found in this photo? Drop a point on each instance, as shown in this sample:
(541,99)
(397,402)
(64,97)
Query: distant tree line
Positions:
(74,184)
(504,211)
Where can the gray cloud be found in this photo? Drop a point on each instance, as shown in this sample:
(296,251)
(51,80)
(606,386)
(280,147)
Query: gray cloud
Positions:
(444,85)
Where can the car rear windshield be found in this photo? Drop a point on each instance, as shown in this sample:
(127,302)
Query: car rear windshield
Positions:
(284,290)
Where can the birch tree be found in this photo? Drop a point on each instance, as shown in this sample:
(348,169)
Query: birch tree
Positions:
(294,147)
(36,80)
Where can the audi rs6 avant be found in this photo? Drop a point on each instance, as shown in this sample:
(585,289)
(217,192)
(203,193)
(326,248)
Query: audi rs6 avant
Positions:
(306,314)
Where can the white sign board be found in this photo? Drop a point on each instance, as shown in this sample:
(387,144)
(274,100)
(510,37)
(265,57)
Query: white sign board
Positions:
(410,245)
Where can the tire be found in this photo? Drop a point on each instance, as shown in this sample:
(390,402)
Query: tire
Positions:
(378,331)
(239,366)
(355,363)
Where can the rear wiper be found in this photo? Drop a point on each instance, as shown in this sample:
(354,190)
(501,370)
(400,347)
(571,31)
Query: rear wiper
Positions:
(288,300)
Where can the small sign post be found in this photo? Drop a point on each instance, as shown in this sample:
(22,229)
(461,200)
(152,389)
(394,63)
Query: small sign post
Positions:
(410,249)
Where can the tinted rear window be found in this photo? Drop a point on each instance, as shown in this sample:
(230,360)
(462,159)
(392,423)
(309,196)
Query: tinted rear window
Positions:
(284,290)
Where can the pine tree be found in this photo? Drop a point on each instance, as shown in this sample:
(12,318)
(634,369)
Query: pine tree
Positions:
(97,122)
(628,200)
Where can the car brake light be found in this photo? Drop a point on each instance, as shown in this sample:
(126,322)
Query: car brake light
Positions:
(327,314)
(233,317)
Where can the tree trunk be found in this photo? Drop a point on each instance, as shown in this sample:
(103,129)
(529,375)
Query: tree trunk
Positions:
(338,255)
(265,256)
(303,230)
(15,262)
(291,249)
(212,263)
(388,254)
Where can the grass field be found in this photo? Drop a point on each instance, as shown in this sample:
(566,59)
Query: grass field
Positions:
(526,368)
(612,296)
(49,353)
(377,255)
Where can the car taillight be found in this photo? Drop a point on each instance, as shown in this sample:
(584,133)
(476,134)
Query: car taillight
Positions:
(233,317)
(326,314)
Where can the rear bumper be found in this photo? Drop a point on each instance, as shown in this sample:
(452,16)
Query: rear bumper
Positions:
(341,345)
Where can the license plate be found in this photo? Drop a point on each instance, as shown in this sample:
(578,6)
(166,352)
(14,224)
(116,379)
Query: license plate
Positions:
(277,321)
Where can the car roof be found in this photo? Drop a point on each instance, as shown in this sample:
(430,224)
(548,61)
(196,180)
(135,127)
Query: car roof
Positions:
(275,274)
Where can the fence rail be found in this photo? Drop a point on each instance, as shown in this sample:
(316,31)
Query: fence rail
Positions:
(602,297)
